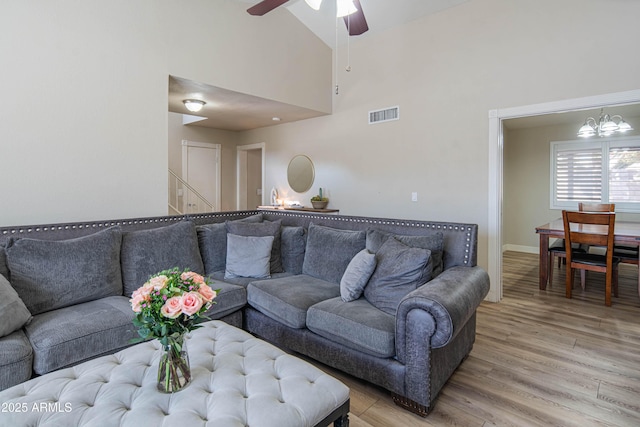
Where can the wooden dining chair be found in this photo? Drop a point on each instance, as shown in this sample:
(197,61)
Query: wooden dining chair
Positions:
(589,228)
(596,207)
(557,250)
(627,254)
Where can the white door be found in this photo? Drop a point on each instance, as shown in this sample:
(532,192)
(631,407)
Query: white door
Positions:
(201,170)
(250,176)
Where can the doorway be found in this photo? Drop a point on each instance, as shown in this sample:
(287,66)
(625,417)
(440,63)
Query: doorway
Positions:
(496,165)
(250,176)
(201,171)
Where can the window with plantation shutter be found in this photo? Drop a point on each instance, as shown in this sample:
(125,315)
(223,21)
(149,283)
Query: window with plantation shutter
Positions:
(579,175)
(601,171)
(624,174)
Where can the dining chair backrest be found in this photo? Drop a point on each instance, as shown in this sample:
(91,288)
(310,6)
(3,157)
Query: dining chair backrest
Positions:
(596,207)
(589,228)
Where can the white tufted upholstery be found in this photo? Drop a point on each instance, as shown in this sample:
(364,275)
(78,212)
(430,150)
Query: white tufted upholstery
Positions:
(238,380)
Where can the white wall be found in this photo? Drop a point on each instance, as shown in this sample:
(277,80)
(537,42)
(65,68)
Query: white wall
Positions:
(446,72)
(84,91)
(84,84)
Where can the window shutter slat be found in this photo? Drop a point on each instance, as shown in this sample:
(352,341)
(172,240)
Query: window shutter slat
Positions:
(578,175)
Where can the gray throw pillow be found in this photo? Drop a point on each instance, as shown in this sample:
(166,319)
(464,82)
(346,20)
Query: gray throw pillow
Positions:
(400,270)
(434,242)
(212,240)
(293,241)
(266,228)
(357,275)
(52,274)
(13,313)
(147,252)
(329,251)
(248,256)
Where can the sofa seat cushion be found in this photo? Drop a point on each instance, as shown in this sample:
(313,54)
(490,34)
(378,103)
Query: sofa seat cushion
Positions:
(241,281)
(49,274)
(287,299)
(356,324)
(147,252)
(73,334)
(230,299)
(16,358)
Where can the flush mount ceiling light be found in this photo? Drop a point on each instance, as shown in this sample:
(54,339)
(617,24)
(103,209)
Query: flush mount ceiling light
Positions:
(605,126)
(194,105)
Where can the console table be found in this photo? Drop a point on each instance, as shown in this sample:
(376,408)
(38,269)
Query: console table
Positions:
(237,380)
(299,209)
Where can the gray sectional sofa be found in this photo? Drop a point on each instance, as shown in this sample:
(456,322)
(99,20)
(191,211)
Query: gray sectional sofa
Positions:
(390,301)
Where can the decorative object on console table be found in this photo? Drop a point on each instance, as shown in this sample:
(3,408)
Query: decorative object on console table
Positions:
(318,201)
(274,197)
(168,306)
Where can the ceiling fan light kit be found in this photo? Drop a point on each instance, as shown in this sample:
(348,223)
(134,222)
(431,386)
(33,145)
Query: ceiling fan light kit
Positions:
(345,8)
(349,10)
(314,4)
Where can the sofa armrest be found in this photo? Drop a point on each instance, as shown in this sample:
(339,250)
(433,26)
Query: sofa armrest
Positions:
(448,301)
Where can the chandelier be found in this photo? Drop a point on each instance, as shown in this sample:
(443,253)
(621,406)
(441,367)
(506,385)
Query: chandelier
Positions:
(605,126)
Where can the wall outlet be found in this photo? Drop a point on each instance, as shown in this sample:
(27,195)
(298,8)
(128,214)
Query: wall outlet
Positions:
(414,196)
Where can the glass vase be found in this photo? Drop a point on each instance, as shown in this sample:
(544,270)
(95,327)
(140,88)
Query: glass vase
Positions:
(174,372)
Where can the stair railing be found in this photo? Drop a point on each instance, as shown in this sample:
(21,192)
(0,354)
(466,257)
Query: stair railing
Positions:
(184,199)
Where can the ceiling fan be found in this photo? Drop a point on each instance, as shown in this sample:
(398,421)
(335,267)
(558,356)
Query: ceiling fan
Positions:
(349,10)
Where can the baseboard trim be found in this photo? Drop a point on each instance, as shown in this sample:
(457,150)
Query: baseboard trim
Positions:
(520,248)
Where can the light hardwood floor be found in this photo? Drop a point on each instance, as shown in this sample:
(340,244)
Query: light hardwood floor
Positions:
(539,360)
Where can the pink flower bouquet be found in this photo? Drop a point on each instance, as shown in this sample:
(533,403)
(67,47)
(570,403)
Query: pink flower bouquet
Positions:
(168,306)
(171,303)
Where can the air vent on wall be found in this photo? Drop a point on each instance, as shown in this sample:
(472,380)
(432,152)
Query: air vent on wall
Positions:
(386,115)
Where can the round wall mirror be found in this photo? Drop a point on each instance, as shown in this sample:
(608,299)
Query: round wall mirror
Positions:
(300,173)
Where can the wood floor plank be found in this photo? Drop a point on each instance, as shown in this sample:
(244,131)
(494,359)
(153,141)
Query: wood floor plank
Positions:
(539,359)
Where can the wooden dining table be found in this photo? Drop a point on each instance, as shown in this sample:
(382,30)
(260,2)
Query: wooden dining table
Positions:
(627,233)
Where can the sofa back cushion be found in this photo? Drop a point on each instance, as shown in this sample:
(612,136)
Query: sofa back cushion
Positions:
(293,241)
(262,229)
(329,251)
(147,252)
(49,274)
(212,240)
(433,242)
(400,269)
(13,313)
(4,270)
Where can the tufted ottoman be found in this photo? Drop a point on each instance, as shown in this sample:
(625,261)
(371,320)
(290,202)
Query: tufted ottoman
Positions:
(238,380)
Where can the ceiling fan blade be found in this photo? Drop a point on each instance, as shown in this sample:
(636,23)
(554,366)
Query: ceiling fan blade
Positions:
(265,6)
(356,22)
